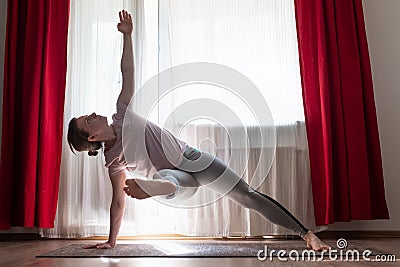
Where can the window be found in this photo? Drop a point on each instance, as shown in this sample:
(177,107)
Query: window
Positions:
(256,38)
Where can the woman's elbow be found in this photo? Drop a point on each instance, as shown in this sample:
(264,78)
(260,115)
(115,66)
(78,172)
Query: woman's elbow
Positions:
(118,204)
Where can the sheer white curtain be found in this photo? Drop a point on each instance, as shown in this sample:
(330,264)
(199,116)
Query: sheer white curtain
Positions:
(255,38)
(93,84)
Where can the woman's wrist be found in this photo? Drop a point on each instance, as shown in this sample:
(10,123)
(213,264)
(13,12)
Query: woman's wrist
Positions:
(111,242)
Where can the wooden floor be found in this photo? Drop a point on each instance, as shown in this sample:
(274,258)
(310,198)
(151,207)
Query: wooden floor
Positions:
(22,253)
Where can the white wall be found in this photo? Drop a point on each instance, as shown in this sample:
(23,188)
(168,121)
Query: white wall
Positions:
(382,23)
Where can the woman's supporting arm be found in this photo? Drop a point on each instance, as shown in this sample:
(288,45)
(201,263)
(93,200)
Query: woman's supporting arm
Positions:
(117,209)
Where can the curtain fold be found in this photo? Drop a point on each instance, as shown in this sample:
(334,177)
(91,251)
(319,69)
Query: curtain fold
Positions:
(345,157)
(33,102)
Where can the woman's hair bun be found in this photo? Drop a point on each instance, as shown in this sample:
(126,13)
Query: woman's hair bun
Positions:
(92,153)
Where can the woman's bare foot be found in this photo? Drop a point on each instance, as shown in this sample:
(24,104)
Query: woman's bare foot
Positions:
(314,242)
(141,189)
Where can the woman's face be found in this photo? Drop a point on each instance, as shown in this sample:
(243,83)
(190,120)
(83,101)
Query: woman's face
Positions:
(93,124)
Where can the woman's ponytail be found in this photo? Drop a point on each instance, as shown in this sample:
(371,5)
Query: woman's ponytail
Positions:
(78,140)
(92,153)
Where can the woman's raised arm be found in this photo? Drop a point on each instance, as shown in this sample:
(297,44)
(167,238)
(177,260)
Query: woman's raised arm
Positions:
(127,62)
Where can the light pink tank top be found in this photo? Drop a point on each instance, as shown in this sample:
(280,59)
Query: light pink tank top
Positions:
(149,147)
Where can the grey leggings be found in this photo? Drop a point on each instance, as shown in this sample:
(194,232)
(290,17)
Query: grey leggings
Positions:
(200,168)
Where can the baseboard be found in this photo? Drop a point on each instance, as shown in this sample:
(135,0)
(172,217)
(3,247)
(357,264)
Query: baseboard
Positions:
(4,237)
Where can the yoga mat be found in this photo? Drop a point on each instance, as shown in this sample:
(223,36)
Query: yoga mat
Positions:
(201,248)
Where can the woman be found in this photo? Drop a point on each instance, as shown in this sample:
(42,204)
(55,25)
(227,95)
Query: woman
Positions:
(189,167)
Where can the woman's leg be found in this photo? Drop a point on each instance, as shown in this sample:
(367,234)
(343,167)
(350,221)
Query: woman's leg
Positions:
(186,184)
(221,179)
(212,172)
(235,188)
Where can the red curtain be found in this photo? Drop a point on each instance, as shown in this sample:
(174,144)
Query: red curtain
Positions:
(33,102)
(345,156)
